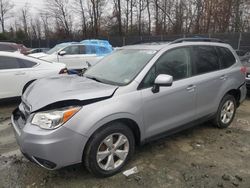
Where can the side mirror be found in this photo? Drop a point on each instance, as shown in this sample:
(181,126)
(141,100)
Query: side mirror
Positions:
(162,80)
(62,53)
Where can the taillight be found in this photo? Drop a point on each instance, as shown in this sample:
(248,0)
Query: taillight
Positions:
(63,71)
(243,70)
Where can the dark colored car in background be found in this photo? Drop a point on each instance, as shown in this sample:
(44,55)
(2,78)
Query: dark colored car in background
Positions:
(13,47)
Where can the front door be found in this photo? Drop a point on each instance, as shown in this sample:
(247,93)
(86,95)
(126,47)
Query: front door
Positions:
(172,106)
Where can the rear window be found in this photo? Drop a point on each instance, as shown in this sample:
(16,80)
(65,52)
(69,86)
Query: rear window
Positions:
(205,59)
(227,59)
(8,48)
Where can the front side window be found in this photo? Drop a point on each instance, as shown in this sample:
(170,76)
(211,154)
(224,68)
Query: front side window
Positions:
(73,50)
(56,48)
(120,67)
(8,63)
(175,62)
(205,59)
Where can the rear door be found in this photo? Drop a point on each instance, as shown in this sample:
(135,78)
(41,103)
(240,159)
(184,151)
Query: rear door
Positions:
(92,54)
(206,66)
(12,77)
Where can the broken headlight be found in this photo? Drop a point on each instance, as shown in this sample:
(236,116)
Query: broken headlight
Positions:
(54,118)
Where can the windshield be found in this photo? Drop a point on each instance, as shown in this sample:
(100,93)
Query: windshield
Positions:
(56,48)
(120,67)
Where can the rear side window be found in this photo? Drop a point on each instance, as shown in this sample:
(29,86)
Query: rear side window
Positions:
(26,63)
(8,63)
(205,59)
(227,59)
(90,49)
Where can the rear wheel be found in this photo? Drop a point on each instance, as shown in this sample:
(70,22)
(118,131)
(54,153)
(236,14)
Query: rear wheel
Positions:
(226,112)
(109,149)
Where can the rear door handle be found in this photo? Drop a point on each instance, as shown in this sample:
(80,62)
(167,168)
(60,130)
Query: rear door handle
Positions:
(223,77)
(191,88)
(20,73)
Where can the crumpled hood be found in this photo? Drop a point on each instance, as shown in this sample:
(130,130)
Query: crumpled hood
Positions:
(51,90)
(38,55)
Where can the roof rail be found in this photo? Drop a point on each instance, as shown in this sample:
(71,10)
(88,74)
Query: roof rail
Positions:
(196,40)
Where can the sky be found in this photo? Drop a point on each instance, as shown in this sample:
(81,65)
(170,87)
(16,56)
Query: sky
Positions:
(34,4)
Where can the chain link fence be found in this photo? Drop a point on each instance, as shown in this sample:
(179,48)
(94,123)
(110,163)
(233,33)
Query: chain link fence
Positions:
(237,40)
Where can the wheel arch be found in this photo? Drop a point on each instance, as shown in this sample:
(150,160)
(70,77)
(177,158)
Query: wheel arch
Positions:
(131,123)
(236,93)
(27,85)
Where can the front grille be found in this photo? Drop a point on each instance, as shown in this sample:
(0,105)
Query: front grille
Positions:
(19,118)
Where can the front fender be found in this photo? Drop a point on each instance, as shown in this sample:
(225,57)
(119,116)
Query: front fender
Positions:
(114,117)
(93,116)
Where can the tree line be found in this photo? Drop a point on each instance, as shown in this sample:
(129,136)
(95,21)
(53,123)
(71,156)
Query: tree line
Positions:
(78,19)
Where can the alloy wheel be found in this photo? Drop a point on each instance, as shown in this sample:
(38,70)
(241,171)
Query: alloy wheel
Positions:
(227,112)
(112,152)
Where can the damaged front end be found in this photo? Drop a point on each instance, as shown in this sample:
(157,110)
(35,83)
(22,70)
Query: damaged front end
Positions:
(38,121)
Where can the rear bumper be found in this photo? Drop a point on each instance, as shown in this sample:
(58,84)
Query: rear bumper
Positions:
(51,149)
(248,83)
(243,92)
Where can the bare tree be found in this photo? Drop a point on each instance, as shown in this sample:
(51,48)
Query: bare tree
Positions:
(45,24)
(5,7)
(80,9)
(24,17)
(96,7)
(149,17)
(117,14)
(59,10)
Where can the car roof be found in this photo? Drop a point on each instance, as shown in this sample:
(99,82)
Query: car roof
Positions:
(160,45)
(144,47)
(8,43)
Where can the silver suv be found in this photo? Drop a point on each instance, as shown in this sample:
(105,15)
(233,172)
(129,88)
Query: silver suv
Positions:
(132,96)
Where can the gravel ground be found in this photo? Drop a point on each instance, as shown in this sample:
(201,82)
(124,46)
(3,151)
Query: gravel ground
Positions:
(202,156)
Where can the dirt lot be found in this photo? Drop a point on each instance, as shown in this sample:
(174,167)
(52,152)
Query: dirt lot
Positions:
(199,157)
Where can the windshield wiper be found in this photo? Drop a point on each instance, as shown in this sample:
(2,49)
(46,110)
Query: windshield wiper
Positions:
(94,78)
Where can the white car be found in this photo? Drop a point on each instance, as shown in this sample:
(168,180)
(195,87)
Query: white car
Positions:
(17,71)
(75,55)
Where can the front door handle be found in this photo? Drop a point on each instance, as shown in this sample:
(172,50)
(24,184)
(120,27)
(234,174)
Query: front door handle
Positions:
(191,88)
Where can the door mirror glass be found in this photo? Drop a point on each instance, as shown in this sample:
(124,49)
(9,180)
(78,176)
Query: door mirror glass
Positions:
(62,53)
(162,80)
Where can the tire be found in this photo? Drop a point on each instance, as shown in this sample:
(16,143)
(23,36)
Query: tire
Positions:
(104,168)
(223,119)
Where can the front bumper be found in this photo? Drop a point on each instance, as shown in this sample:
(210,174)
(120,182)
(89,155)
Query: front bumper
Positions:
(51,149)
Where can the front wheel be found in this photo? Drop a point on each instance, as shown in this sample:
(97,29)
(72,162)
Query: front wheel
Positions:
(226,112)
(109,149)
